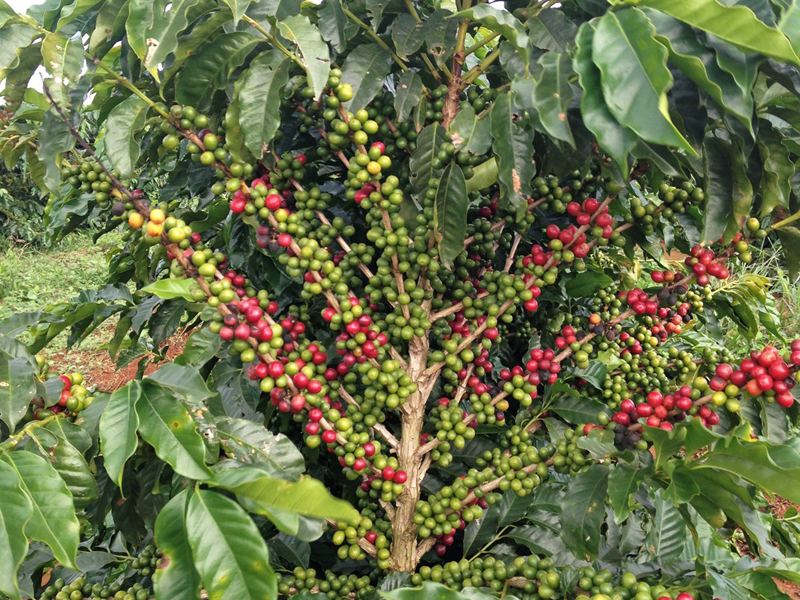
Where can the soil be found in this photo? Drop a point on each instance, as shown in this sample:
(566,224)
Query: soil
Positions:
(104,373)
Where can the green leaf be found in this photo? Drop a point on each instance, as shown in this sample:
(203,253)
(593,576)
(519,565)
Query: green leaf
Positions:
(723,587)
(200,348)
(737,25)
(314,52)
(698,62)
(175,578)
(586,284)
(513,147)
(260,100)
(583,509)
(229,552)
(54,521)
(210,68)
(251,443)
(153,27)
(109,26)
(577,409)
(165,424)
(470,134)
(409,92)
(450,213)
(729,192)
(485,175)
(778,169)
(70,464)
(294,551)
(421,162)
(502,21)
(623,482)
(185,382)
(635,78)
(54,140)
(167,289)
(15,511)
(238,8)
(15,36)
(17,79)
(63,60)
(407,35)
(552,94)
(125,121)
(770,467)
(118,425)
(332,24)
(17,389)
(668,536)
(551,30)
(305,497)
(365,68)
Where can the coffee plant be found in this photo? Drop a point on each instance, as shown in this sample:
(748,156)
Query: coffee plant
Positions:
(458,279)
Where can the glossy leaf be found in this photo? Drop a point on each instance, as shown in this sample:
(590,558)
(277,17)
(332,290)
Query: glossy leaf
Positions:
(421,163)
(17,78)
(450,213)
(53,521)
(209,69)
(229,553)
(15,511)
(175,578)
(407,35)
(118,425)
(153,27)
(512,144)
(699,63)
(305,497)
(582,511)
(623,482)
(238,8)
(552,95)
(551,30)
(365,68)
(729,191)
(63,59)
(167,289)
(502,21)
(17,389)
(109,26)
(635,78)
(332,24)
(313,50)
(778,170)
(735,24)
(165,424)
(469,133)
(409,92)
(70,464)
(125,121)
(770,467)
(668,536)
(259,97)
(251,443)
(54,140)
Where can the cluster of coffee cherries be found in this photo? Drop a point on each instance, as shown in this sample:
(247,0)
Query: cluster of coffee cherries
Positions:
(766,373)
(74,397)
(80,589)
(335,587)
(89,176)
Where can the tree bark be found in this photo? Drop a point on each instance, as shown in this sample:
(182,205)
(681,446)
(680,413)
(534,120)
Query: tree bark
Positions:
(404,530)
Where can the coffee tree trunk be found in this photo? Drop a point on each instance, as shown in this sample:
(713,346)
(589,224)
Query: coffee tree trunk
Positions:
(404,530)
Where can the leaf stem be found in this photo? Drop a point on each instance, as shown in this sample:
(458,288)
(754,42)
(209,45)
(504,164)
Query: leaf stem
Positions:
(480,68)
(431,67)
(15,439)
(786,221)
(481,44)
(273,40)
(374,36)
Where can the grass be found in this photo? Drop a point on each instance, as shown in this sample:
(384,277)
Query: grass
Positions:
(31,279)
